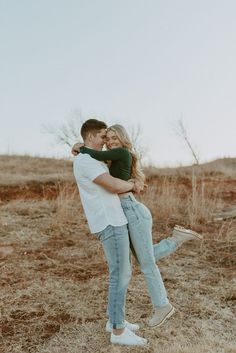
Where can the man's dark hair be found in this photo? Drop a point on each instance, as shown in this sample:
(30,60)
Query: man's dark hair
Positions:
(92,126)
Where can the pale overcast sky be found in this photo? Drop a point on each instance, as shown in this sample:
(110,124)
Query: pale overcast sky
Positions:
(148,62)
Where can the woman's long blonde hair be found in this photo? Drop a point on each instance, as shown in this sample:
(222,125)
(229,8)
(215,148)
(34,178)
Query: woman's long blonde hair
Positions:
(121,133)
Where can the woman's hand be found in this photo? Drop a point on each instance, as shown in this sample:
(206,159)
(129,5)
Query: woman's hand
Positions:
(76,148)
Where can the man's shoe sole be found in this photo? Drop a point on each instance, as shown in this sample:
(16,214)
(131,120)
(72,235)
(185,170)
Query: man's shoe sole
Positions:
(171,312)
(143,344)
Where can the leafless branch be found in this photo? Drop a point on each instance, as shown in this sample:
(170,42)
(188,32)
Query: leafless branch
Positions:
(182,133)
(67,133)
(135,132)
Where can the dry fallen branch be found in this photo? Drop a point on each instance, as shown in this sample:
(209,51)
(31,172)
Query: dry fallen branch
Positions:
(221,216)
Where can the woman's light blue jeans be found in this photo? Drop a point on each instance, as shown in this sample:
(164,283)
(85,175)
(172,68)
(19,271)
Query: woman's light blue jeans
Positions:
(140,232)
(115,242)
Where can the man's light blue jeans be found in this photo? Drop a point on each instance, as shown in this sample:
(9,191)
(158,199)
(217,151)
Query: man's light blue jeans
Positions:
(115,242)
(140,232)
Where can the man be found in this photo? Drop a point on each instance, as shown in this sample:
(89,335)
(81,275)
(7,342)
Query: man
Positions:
(98,192)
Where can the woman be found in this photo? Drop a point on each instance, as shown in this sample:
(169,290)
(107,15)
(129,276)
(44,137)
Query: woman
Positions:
(124,165)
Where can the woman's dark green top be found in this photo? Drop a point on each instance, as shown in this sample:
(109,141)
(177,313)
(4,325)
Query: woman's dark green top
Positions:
(121,160)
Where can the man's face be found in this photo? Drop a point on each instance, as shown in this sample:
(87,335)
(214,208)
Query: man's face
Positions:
(98,140)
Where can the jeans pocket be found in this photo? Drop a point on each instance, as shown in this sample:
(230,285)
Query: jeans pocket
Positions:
(105,233)
(143,211)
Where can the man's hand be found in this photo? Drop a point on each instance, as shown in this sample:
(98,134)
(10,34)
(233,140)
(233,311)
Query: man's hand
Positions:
(138,185)
(76,148)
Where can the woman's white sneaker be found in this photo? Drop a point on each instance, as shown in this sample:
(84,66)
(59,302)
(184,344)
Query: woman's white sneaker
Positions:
(132,327)
(181,235)
(128,338)
(160,315)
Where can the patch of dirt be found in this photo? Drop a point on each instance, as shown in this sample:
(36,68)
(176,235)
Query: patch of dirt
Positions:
(33,190)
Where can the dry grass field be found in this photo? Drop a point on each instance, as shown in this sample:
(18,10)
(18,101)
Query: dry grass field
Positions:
(54,277)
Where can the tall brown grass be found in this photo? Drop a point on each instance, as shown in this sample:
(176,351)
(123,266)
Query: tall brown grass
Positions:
(193,204)
(65,203)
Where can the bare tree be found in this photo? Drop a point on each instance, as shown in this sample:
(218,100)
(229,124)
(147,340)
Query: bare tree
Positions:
(69,132)
(182,133)
(135,132)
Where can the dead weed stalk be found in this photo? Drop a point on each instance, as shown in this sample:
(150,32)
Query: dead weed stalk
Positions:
(65,204)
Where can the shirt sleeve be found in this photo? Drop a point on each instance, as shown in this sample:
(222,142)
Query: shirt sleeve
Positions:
(92,169)
(112,155)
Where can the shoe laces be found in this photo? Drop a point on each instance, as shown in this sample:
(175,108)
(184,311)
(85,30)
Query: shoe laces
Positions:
(179,227)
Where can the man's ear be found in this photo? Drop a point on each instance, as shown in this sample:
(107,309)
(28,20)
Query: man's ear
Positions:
(89,136)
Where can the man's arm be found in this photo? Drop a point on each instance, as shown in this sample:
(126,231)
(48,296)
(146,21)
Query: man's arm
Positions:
(114,185)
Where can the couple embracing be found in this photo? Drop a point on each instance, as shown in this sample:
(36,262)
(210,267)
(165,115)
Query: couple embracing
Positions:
(122,223)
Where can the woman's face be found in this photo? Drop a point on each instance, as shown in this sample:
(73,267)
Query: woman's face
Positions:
(112,140)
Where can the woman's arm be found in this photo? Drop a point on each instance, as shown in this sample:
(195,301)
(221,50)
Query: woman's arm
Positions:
(76,148)
(111,155)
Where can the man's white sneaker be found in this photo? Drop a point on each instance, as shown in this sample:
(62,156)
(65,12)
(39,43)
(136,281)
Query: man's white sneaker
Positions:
(132,327)
(128,338)
(181,235)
